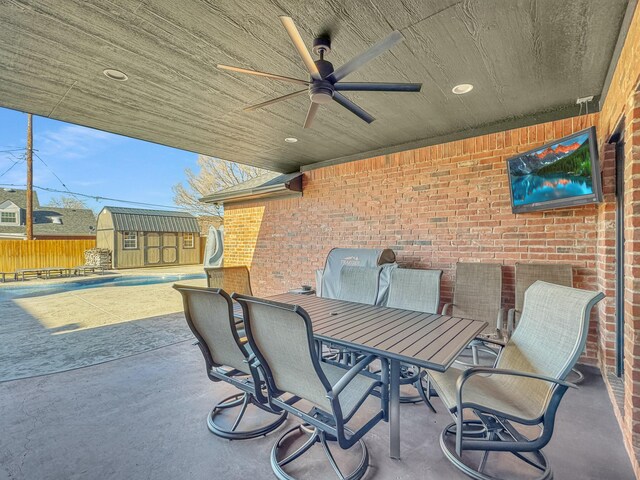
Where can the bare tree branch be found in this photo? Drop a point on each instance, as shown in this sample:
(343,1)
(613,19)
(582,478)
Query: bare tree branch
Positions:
(213,175)
(64,201)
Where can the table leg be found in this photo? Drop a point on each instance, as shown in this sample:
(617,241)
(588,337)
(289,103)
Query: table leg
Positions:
(394,410)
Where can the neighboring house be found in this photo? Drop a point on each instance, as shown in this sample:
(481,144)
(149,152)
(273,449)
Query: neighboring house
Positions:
(48,222)
(144,238)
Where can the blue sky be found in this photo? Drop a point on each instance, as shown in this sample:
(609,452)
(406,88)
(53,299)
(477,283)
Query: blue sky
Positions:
(90,161)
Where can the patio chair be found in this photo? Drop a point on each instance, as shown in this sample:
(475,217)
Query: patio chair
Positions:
(526,275)
(418,290)
(230,279)
(477,294)
(524,388)
(359,284)
(209,314)
(281,337)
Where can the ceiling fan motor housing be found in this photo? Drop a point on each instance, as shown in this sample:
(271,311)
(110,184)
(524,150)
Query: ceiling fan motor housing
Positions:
(321,91)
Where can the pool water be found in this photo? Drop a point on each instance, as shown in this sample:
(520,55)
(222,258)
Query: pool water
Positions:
(120,281)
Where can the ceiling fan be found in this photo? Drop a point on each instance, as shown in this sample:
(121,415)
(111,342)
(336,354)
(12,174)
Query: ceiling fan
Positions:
(325,83)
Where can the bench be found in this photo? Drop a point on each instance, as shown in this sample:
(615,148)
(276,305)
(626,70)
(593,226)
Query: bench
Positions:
(23,273)
(3,276)
(84,269)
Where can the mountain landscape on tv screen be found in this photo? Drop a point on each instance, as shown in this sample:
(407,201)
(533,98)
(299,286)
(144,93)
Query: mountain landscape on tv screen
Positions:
(558,171)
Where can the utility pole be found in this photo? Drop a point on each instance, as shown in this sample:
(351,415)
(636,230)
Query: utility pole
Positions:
(29,177)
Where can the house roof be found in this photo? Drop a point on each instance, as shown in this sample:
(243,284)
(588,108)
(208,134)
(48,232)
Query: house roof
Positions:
(268,185)
(18,197)
(527,65)
(143,220)
(74,223)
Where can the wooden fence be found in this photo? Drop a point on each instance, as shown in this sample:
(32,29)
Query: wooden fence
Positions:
(17,254)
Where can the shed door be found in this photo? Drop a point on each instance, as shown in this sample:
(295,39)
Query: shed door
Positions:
(152,248)
(170,248)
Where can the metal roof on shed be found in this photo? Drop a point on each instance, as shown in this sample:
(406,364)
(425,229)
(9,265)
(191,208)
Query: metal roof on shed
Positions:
(142,220)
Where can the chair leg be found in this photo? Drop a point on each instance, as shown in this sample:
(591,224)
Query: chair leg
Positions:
(578,375)
(315,436)
(242,400)
(424,395)
(476,430)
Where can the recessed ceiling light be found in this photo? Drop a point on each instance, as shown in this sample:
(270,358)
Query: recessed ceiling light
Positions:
(115,75)
(291,140)
(462,88)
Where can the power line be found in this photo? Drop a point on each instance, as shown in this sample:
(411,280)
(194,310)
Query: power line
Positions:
(9,169)
(13,150)
(97,198)
(55,175)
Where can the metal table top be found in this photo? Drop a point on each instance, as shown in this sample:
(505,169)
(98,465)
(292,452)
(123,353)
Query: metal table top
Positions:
(430,341)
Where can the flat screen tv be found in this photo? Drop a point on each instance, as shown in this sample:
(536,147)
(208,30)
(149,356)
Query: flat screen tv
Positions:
(564,173)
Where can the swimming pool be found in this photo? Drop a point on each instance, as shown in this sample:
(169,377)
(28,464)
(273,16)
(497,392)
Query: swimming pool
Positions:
(8,293)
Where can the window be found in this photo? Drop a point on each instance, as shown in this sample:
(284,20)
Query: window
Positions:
(188,240)
(8,217)
(130,240)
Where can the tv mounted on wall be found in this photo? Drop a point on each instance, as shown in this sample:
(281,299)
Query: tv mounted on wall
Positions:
(564,173)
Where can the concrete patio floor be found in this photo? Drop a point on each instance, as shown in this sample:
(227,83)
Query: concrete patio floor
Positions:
(143,417)
(57,332)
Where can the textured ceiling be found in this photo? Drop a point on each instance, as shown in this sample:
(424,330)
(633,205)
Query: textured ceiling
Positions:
(528,59)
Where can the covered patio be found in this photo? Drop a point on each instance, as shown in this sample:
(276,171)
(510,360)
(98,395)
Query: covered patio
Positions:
(127,419)
(427,179)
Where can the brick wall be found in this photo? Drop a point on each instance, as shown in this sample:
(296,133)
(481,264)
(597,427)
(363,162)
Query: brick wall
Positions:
(622,107)
(450,202)
(434,206)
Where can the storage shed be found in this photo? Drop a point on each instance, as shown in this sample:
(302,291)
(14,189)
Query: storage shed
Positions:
(147,238)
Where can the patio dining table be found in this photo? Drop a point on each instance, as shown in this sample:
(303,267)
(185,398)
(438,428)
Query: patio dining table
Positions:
(429,341)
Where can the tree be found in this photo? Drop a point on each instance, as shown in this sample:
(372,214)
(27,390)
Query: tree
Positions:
(214,175)
(64,201)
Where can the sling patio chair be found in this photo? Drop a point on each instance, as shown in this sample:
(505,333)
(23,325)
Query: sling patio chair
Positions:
(524,388)
(209,314)
(282,339)
(526,275)
(477,294)
(359,284)
(417,290)
(230,279)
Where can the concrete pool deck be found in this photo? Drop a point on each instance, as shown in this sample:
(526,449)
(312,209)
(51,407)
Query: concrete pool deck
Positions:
(62,331)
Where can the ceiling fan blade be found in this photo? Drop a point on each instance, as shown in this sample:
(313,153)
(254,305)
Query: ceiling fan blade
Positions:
(263,74)
(352,107)
(274,100)
(291,29)
(377,87)
(372,52)
(313,108)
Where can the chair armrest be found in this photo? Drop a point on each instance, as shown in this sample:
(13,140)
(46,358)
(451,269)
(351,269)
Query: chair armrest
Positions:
(446,307)
(465,375)
(350,375)
(494,341)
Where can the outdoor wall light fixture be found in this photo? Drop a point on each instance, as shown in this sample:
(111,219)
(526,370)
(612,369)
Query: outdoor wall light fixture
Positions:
(462,88)
(116,75)
(291,140)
